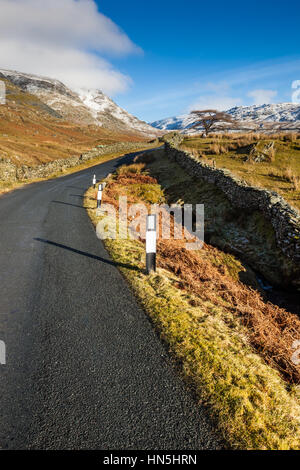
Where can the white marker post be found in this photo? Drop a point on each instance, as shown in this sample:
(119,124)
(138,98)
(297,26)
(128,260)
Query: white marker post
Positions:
(99,196)
(94,181)
(151,244)
(2,353)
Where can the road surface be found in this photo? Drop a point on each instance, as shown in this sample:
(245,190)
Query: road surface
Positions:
(85,368)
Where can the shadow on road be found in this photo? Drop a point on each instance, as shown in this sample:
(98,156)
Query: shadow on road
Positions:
(68,204)
(88,255)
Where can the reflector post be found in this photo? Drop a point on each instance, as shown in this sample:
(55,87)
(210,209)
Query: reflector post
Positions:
(151,244)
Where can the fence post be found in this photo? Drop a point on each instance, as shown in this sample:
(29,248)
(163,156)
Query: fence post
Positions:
(151,244)
(2,353)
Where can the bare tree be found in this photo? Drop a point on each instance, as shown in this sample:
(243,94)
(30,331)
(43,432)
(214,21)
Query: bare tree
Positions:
(213,120)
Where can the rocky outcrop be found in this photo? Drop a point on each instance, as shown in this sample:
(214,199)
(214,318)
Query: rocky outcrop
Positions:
(284,220)
(261,152)
(11,172)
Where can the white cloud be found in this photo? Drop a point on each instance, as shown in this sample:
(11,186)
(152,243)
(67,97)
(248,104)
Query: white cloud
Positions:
(219,102)
(63,39)
(262,96)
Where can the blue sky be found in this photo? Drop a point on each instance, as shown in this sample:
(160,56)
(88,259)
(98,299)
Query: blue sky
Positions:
(199,53)
(159,58)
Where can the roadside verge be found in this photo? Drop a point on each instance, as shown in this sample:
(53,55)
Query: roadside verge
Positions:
(213,325)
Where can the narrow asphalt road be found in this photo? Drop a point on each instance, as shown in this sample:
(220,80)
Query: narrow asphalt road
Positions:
(85,369)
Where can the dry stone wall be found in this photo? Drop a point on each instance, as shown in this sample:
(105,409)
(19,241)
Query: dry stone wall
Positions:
(11,172)
(284,219)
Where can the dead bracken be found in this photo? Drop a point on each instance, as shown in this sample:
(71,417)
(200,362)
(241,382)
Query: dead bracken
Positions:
(234,348)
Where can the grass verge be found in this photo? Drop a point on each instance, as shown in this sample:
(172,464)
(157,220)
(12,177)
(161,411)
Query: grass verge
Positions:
(278,171)
(252,404)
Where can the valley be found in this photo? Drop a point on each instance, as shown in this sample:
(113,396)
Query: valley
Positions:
(224,318)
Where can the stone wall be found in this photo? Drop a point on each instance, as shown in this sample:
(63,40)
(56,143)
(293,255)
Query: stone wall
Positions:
(11,172)
(284,219)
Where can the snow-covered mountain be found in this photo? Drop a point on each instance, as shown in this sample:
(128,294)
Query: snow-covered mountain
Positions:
(282,115)
(175,123)
(109,114)
(90,107)
(280,112)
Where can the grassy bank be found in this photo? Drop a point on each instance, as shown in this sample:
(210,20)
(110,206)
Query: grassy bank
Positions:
(247,234)
(232,347)
(279,171)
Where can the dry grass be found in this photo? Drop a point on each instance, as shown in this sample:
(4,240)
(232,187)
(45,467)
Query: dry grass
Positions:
(271,330)
(215,149)
(279,172)
(135,168)
(272,154)
(288,174)
(292,137)
(233,347)
(296,183)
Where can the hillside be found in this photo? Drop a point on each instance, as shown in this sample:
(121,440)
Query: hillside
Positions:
(31,132)
(43,120)
(281,116)
(81,106)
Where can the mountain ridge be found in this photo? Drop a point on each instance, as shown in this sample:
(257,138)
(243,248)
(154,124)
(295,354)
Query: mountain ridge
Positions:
(83,106)
(254,116)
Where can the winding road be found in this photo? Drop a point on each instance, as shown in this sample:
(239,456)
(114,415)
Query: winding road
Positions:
(85,368)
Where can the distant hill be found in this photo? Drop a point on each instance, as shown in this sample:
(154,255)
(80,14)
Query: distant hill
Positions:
(285,116)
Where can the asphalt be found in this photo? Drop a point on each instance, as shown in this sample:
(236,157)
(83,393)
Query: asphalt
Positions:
(85,368)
